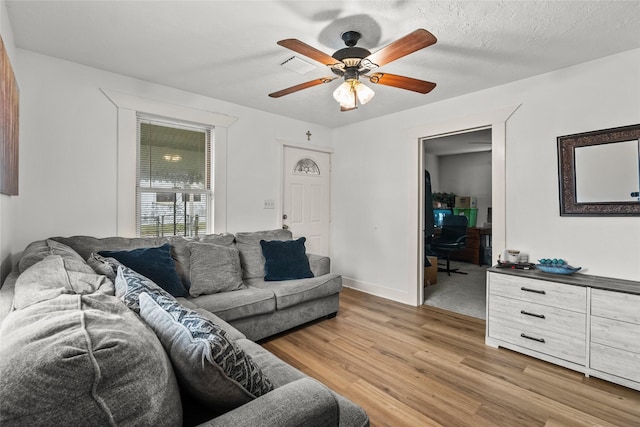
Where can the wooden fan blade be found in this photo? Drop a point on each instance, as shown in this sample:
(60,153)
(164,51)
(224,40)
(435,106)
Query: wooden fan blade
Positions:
(408,83)
(301,86)
(308,51)
(410,43)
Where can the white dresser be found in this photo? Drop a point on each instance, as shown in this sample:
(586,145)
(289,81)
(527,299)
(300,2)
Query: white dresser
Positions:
(587,323)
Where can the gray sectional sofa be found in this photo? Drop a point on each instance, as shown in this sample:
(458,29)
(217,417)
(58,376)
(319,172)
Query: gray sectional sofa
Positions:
(86,340)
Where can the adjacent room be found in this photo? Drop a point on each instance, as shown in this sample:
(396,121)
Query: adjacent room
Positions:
(353,213)
(458,182)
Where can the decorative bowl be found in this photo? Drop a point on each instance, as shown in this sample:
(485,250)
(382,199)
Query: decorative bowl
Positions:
(557,269)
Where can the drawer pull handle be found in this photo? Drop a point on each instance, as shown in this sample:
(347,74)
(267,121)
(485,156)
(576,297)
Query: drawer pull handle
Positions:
(532,338)
(535,291)
(541,316)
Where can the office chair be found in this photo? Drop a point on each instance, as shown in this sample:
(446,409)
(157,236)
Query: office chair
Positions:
(453,237)
(429,223)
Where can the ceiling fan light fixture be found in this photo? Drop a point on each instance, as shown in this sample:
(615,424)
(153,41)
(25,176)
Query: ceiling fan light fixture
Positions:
(351,91)
(353,62)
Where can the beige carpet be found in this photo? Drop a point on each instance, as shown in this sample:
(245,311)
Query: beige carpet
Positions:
(462,293)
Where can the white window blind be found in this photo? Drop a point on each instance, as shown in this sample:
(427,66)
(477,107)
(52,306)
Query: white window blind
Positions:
(173,179)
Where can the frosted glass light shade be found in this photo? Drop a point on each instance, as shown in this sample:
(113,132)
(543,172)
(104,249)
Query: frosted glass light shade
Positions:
(364,93)
(348,91)
(344,95)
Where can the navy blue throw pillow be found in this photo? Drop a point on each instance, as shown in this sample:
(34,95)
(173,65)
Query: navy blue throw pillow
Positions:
(156,264)
(285,260)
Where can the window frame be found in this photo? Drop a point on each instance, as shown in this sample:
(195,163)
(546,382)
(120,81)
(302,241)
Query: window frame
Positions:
(127,106)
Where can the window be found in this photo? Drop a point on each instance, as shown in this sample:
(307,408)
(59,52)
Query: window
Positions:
(306,167)
(173,190)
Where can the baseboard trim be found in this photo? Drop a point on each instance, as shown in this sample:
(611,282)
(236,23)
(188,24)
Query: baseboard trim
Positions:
(376,290)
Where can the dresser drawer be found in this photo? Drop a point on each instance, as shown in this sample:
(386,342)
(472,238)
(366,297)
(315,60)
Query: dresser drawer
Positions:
(615,333)
(538,316)
(615,305)
(553,343)
(622,363)
(539,291)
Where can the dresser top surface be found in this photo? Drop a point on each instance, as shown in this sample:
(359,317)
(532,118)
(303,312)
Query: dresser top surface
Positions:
(596,282)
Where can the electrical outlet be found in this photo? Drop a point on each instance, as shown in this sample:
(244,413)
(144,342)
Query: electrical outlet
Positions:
(270,204)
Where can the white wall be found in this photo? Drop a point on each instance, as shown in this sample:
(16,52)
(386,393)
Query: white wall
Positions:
(7,203)
(375,198)
(467,174)
(68,151)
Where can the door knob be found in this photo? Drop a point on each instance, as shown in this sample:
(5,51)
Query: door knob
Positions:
(285,227)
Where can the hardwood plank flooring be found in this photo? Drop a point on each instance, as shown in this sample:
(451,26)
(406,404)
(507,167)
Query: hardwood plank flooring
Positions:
(423,366)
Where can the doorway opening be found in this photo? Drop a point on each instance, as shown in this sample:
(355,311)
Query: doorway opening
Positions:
(457,176)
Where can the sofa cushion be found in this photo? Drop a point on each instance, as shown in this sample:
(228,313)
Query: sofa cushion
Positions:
(40,249)
(238,304)
(292,292)
(232,332)
(56,275)
(84,360)
(251,252)
(209,365)
(130,284)
(319,264)
(214,269)
(156,263)
(221,239)
(285,260)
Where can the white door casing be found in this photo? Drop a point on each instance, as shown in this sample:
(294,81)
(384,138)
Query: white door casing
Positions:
(306,197)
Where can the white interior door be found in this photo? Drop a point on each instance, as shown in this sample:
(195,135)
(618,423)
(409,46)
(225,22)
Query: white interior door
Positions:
(307,192)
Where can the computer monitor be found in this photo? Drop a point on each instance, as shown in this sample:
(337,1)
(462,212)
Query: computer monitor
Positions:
(439,214)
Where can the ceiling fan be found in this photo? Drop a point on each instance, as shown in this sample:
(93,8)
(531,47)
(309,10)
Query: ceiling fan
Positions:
(353,62)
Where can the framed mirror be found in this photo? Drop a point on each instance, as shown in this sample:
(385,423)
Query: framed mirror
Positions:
(599,172)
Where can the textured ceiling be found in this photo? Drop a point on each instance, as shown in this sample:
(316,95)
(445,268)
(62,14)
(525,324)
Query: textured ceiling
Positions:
(227,49)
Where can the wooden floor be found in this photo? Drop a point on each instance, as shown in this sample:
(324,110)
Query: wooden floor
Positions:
(422,366)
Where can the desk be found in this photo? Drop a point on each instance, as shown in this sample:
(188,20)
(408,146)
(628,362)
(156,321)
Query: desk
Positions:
(478,238)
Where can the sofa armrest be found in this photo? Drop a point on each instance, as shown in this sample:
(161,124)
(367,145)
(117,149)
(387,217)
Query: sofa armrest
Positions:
(301,402)
(320,264)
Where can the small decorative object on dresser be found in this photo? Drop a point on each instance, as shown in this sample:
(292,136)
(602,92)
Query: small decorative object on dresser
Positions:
(586,323)
(556,266)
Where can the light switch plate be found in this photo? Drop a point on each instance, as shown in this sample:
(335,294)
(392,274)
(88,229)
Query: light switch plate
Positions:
(270,204)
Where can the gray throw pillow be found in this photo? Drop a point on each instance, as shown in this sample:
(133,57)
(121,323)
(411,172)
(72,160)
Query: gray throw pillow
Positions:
(214,269)
(56,275)
(84,360)
(221,239)
(251,252)
(210,366)
(130,284)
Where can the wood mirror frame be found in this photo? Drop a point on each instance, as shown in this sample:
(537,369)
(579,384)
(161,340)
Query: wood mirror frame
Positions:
(567,173)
